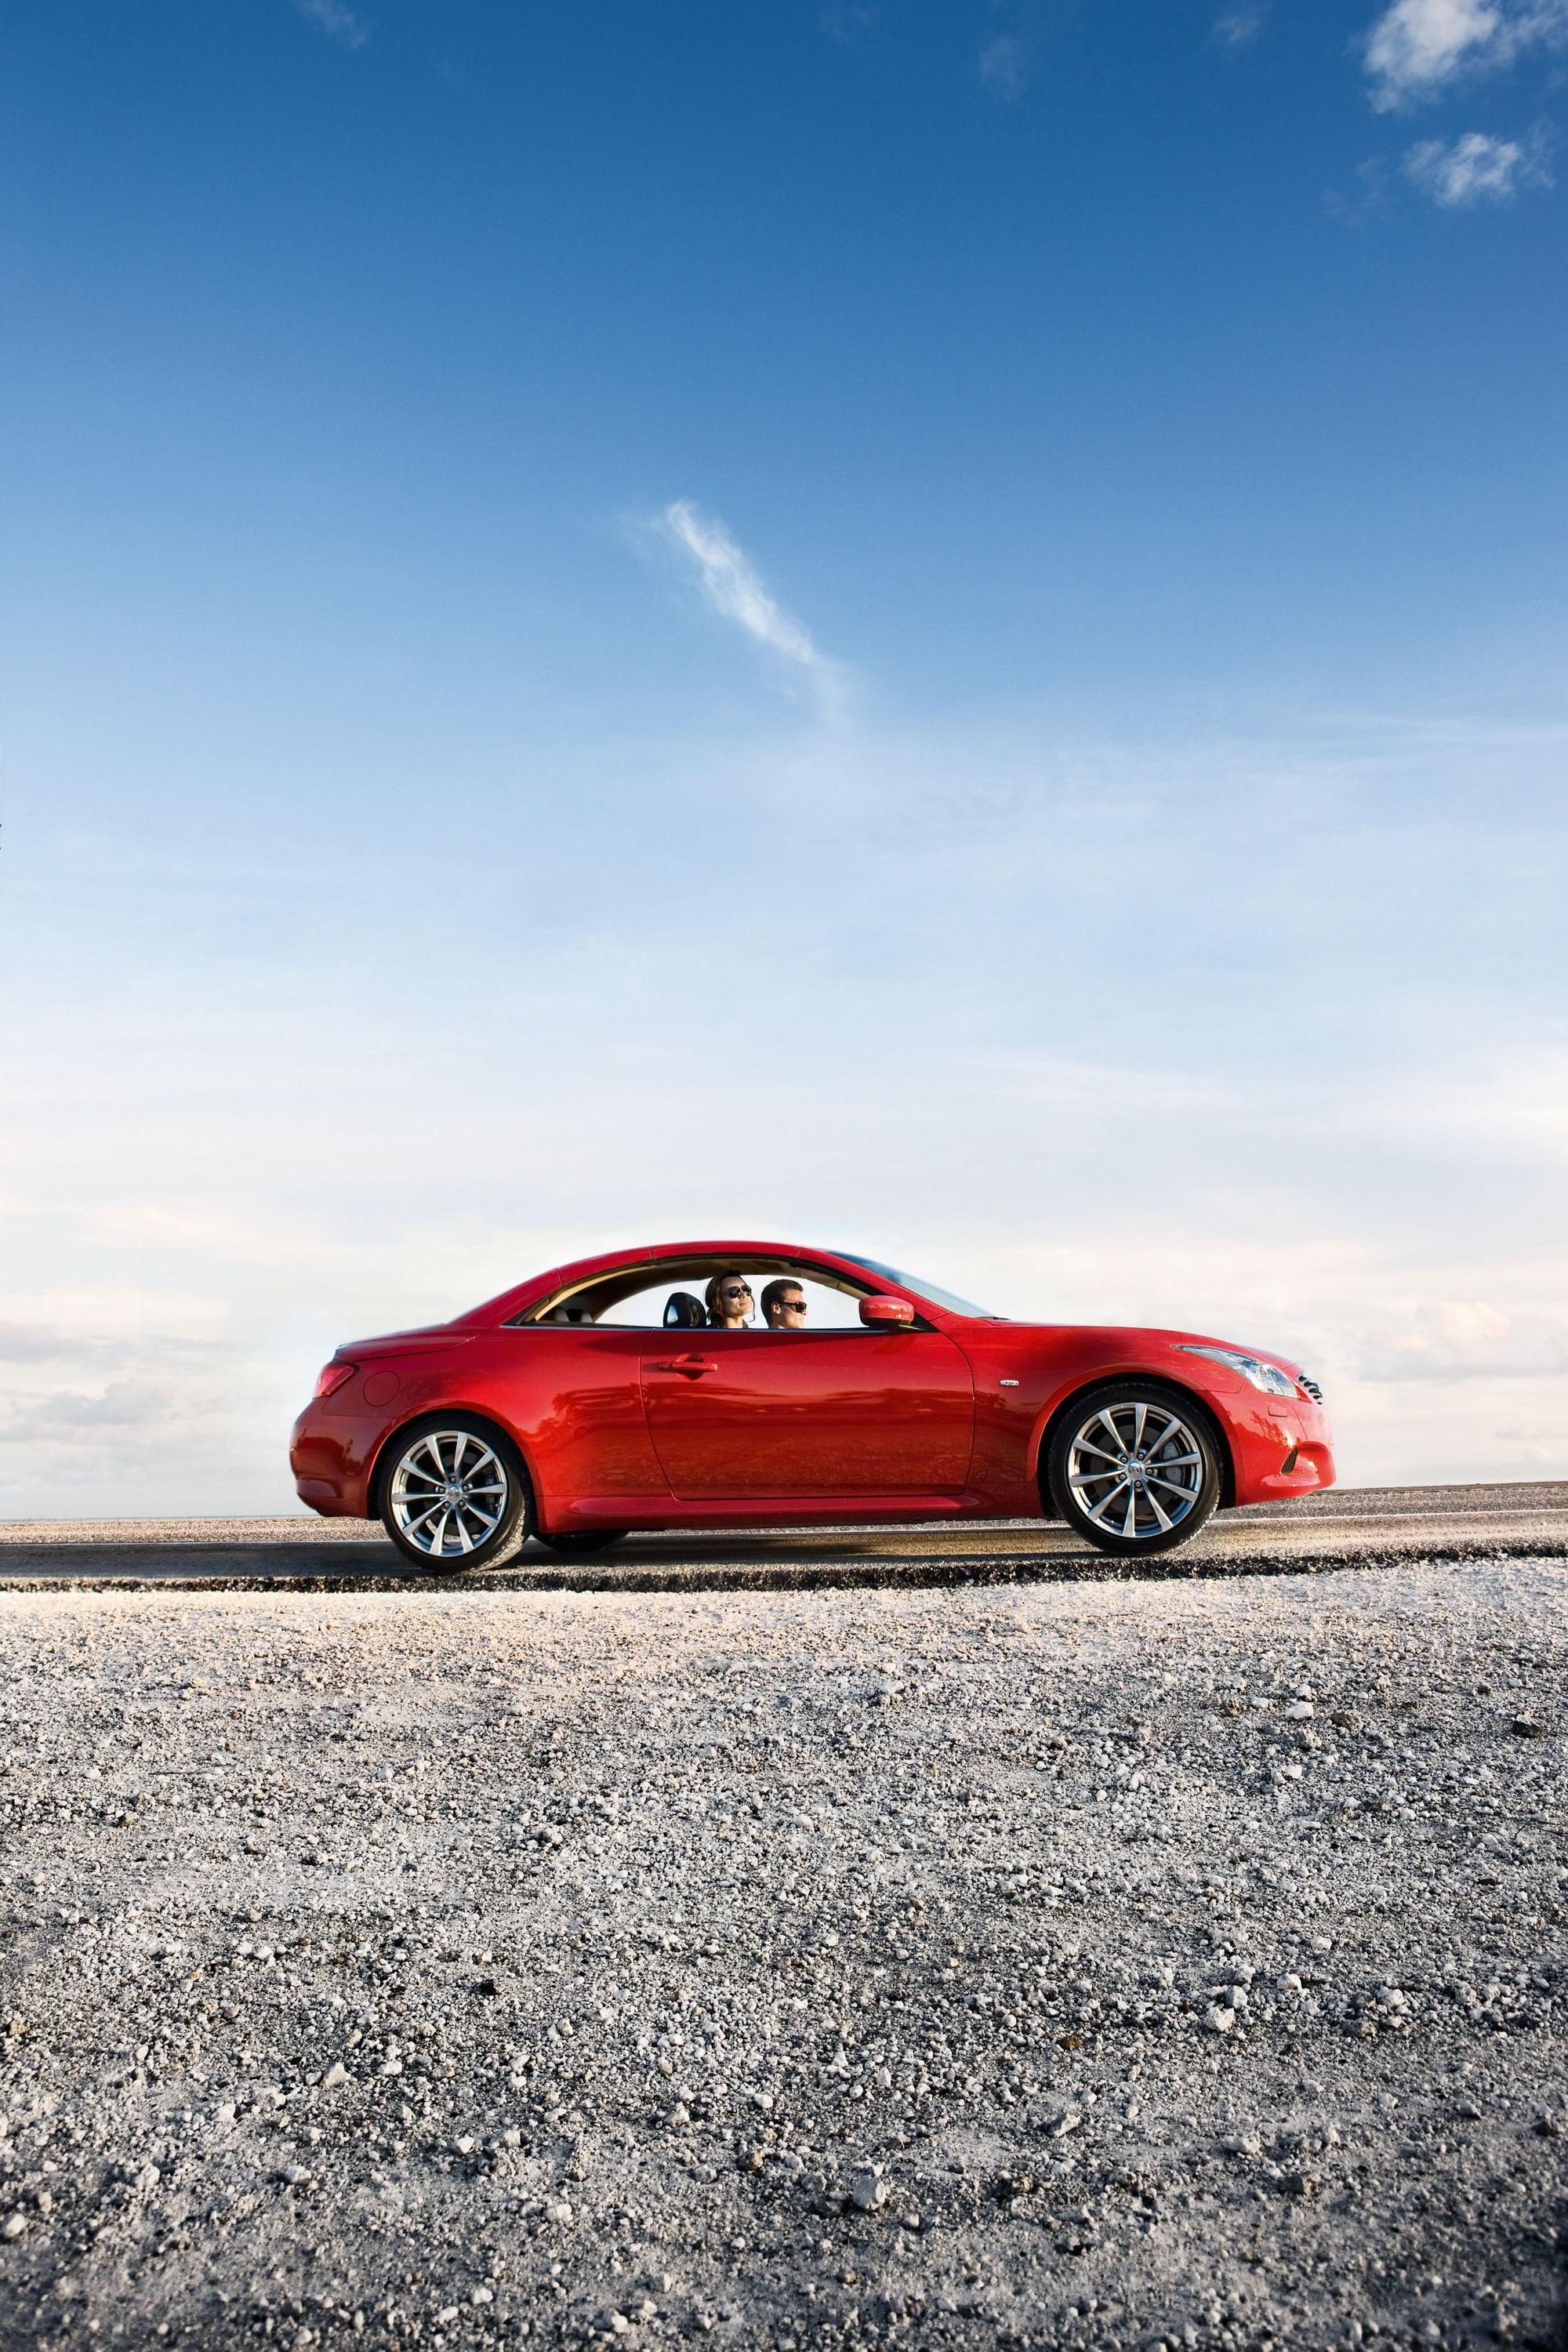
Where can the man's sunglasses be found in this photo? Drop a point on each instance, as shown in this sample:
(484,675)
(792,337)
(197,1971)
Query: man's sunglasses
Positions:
(794,1306)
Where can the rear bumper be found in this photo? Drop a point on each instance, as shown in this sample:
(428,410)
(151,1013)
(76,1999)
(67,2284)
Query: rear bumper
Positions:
(330,1457)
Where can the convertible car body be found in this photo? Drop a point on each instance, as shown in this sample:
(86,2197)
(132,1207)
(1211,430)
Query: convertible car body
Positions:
(540,1413)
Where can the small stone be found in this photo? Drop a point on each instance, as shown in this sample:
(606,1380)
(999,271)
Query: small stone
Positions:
(295,2174)
(1301,1710)
(1066,2119)
(444,2316)
(465,2146)
(867,2191)
(482,2294)
(558,2211)
(336,2072)
(680,2114)
(13,2225)
(1529,1728)
(511,2137)
(1221,2021)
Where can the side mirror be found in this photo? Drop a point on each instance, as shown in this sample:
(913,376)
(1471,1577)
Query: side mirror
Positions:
(883,1313)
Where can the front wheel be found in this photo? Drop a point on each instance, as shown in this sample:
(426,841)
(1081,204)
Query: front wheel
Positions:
(455,1494)
(1134,1468)
(581,1539)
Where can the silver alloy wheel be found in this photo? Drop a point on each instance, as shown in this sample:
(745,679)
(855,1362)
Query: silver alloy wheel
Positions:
(1135,1469)
(448,1493)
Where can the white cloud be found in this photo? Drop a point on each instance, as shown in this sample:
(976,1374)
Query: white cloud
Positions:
(1477,169)
(338,22)
(1419,49)
(733,586)
(1005,65)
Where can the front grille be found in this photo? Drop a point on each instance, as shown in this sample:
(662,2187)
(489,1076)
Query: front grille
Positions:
(1314,1390)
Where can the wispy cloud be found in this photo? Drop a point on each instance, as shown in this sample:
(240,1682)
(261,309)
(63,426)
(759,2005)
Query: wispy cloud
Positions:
(849,21)
(1478,170)
(1418,49)
(1005,66)
(1238,28)
(338,22)
(733,586)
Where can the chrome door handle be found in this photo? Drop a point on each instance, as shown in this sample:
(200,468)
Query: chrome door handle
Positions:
(693,1366)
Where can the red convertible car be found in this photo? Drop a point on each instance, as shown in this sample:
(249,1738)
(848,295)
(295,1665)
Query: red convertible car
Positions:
(605,1396)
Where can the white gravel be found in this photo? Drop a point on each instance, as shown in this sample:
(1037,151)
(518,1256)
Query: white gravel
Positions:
(1167,1962)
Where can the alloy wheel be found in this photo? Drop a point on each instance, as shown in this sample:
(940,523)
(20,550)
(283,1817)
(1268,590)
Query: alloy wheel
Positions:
(1135,1470)
(448,1493)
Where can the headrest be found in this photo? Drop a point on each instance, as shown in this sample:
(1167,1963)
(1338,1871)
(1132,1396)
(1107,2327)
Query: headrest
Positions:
(682,1312)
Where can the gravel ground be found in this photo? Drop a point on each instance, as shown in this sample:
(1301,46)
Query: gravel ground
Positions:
(1176,1961)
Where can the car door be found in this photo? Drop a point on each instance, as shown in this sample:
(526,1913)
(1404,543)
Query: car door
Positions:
(751,1414)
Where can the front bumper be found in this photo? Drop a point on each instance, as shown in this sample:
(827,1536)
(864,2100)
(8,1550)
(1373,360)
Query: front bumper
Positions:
(1279,1446)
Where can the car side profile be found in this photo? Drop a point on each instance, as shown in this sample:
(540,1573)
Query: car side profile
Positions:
(621,1392)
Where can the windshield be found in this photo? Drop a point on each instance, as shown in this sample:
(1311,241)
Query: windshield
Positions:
(933,1291)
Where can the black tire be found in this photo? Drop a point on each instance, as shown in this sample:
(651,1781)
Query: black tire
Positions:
(583,1539)
(496,1521)
(1174,1463)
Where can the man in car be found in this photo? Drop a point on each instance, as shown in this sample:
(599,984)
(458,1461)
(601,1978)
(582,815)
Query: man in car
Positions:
(784,1305)
(729,1298)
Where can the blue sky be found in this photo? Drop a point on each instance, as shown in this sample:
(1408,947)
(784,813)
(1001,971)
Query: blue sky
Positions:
(934,627)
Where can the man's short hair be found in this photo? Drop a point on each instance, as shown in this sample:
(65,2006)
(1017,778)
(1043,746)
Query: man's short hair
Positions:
(774,1294)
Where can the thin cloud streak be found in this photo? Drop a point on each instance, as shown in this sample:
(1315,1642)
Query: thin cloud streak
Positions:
(734,589)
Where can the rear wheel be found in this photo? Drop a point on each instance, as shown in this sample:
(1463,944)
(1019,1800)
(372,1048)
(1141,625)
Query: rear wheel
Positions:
(455,1495)
(583,1539)
(1134,1468)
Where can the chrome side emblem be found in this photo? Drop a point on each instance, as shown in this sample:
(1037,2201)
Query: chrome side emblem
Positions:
(1006,1384)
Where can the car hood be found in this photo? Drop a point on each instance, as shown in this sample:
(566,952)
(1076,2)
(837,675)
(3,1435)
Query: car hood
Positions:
(1133,1338)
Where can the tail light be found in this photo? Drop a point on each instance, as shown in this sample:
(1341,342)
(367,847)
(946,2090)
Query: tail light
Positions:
(331,1378)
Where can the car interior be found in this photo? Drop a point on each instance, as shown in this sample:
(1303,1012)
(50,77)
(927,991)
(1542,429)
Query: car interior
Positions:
(671,1296)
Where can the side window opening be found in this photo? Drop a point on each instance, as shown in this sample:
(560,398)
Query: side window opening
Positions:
(672,1298)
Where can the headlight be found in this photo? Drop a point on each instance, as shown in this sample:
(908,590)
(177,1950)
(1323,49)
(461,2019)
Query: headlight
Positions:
(1267,1377)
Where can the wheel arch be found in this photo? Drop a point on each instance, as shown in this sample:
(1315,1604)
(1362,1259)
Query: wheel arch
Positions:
(1191,1399)
(383,1453)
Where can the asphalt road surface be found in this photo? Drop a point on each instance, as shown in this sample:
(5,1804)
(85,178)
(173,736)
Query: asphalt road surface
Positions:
(1330,1530)
(921,1938)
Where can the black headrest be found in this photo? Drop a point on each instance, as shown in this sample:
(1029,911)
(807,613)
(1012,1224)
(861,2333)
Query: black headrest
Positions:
(682,1312)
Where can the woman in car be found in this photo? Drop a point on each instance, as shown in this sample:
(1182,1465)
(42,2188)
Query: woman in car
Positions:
(729,1298)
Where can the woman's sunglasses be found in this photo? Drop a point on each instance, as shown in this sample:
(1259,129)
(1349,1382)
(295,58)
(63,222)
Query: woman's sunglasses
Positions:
(736,1290)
